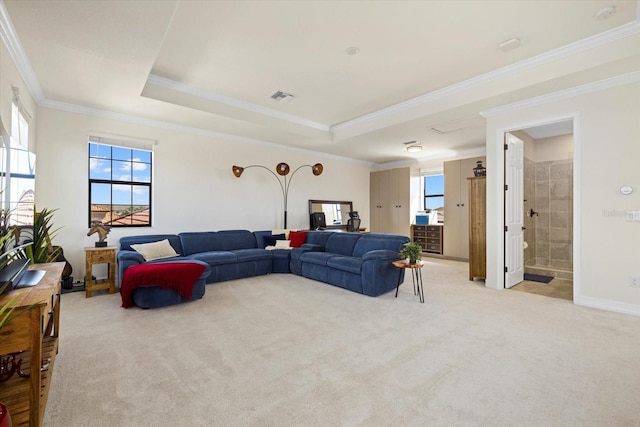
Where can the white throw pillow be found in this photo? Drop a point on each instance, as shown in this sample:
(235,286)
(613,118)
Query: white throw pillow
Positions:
(283,244)
(155,250)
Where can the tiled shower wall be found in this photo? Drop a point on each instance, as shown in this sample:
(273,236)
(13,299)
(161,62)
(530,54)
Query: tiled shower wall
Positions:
(552,228)
(529,198)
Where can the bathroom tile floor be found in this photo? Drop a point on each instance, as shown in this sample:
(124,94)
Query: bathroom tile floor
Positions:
(557,288)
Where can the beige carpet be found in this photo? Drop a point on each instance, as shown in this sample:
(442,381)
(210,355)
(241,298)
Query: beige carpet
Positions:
(281,350)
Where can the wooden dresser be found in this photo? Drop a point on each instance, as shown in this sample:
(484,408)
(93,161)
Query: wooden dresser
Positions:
(477,228)
(34,333)
(428,236)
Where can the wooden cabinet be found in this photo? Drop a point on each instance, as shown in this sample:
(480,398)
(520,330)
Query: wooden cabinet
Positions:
(456,212)
(33,335)
(390,199)
(477,228)
(428,236)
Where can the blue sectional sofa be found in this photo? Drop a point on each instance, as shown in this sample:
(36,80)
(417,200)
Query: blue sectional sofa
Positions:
(354,261)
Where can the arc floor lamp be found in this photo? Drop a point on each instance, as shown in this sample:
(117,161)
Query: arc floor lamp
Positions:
(282,169)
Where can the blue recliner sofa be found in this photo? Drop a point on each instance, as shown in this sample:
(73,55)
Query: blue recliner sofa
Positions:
(354,261)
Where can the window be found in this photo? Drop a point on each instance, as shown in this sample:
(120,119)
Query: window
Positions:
(119,184)
(434,195)
(17,169)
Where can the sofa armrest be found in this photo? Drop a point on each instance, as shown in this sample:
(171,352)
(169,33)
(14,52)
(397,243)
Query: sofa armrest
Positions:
(379,275)
(381,255)
(125,260)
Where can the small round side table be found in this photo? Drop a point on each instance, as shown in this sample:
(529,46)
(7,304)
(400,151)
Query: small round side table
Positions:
(416,276)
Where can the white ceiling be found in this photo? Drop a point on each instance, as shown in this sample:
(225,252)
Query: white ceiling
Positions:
(422,65)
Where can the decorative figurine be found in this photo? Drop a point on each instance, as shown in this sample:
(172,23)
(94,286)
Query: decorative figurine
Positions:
(479,170)
(102,230)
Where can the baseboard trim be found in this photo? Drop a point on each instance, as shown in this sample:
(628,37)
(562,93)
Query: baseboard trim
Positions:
(608,305)
(433,255)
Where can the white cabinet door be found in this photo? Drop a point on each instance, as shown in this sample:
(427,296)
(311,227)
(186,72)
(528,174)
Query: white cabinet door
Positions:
(379,189)
(456,211)
(390,201)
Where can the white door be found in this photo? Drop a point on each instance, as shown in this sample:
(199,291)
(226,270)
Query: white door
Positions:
(514,207)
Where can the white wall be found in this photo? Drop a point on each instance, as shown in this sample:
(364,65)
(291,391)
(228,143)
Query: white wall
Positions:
(193,186)
(607,131)
(554,148)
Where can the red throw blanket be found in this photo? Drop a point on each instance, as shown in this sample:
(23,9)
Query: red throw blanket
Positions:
(179,276)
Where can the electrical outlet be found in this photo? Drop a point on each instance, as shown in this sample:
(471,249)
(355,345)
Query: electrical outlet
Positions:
(634,282)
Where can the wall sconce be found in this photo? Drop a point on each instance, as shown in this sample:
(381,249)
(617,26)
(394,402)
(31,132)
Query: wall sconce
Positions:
(282,169)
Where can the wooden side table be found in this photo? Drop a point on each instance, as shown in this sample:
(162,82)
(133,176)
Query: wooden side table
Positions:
(416,276)
(106,255)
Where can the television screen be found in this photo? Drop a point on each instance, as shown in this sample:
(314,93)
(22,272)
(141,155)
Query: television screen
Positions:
(318,220)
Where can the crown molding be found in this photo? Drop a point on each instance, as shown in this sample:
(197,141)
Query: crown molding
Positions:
(234,102)
(592,42)
(12,42)
(565,94)
(159,124)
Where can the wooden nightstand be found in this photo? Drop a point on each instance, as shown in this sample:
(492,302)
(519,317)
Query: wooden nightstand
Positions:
(106,255)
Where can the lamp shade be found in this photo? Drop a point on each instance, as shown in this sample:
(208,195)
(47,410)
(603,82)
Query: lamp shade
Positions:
(282,169)
(317,169)
(237,170)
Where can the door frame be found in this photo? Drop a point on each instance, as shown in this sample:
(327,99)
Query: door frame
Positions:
(495,214)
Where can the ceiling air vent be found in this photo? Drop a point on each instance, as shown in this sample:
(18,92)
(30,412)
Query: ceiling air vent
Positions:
(281,96)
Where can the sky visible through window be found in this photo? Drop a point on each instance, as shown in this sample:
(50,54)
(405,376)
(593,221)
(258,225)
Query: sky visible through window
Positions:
(119,180)
(434,191)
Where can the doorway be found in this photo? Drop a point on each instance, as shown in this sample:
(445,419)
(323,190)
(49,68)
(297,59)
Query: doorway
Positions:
(547,211)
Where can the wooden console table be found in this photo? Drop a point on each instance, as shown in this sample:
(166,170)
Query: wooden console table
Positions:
(34,333)
(106,255)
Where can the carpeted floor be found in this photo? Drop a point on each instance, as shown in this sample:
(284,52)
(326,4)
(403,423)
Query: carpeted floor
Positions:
(281,350)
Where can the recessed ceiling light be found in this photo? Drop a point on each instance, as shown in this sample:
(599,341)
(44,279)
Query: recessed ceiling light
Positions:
(605,12)
(510,44)
(352,50)
(414,148)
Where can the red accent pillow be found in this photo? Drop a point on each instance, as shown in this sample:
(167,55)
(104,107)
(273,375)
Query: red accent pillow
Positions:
(297,238)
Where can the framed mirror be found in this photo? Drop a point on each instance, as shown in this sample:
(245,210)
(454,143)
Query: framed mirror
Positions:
(336,213)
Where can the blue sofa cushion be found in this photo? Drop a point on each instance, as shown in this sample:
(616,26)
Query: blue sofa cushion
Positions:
(342,243)
(318,258)
(377,241)
(238,239)
(216,257)
(174,241)
(200,241)
(244,255)
(318,238)
(345,263)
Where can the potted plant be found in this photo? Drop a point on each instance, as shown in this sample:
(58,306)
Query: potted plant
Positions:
(41,234)
(412,251)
